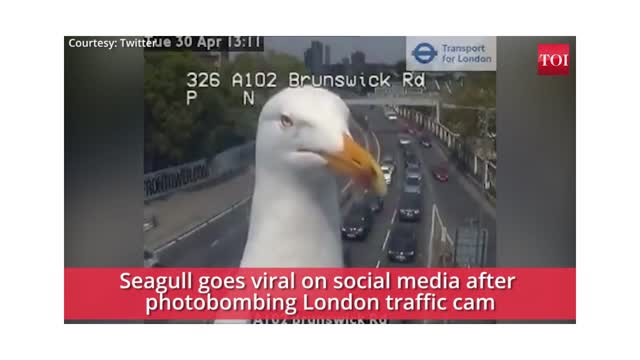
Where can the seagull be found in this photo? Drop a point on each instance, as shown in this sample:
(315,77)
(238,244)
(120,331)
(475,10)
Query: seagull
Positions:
(303,144)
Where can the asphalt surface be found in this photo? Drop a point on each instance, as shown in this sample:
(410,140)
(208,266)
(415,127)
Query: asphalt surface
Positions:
(221,243)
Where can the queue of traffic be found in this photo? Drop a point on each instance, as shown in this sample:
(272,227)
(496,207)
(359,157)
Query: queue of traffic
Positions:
(402,241)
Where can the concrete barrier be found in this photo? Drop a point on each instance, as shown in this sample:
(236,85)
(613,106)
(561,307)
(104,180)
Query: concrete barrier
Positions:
(203,172)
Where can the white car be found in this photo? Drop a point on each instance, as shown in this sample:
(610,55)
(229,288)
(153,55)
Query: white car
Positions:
(404,140)
(392,117)
(387,172)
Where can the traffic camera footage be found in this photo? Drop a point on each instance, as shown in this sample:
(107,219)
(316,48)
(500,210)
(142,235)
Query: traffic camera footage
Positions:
(326,152)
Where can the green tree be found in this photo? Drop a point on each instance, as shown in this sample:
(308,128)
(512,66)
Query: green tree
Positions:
(176,133)
(479,90)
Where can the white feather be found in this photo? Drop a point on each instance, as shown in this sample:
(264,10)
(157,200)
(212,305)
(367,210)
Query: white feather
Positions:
(295,214)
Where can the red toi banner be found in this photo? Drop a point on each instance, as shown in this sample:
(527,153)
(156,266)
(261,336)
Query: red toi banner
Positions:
(349,293)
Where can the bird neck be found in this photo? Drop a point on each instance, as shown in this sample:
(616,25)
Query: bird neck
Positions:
(295,221)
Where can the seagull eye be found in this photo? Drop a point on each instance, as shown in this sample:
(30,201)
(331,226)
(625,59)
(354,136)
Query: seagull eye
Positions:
(286,121)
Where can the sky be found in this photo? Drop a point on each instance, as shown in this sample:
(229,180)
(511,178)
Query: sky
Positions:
(385,49)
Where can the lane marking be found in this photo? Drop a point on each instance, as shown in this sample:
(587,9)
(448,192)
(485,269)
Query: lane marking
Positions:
(384,245)
(393,219)
(202,225)
(378,264)
(192,231)
(214,243)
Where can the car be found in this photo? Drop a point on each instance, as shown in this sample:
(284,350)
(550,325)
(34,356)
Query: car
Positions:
(376,202)
(387,173)
(410,207)
(150,259)
(389,163)
(441,173)
(412,185)
(357,222)
(392,117)
(407,152)
(413,171)
(426,142)
(402,243)
(411,160)
(404,140)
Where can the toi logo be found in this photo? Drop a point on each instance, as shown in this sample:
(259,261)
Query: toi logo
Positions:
(553,59)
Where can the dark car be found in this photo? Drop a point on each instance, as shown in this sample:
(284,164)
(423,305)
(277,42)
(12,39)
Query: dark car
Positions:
(402,243)
(357,223)
(410,207)
(375,202)
(407,151)
(411,160)
(425,141)
(441,173)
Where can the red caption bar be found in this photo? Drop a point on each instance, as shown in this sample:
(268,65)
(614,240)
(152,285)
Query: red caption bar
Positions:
(349,293)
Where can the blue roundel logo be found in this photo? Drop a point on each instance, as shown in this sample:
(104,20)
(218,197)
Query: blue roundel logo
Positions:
(424,53)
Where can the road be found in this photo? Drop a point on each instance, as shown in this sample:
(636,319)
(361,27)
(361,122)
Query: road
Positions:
(221,243)
(456,200)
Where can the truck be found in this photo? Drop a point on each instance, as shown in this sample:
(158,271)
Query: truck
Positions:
(470,244)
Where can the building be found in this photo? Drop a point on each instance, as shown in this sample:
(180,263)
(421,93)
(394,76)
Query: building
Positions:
(358,61)
(327,55)
(313,57)
(307,59)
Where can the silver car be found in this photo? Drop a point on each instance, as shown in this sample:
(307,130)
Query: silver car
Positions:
(412,185)
(413,172)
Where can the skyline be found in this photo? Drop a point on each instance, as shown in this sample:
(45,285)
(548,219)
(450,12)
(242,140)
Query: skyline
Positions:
(377,49)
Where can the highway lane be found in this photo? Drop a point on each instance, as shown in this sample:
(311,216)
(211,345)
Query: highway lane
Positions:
(459,198)
(221,243)
(456,200)
(372,251)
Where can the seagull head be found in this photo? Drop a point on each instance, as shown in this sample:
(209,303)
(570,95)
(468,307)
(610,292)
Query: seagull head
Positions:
(307,129)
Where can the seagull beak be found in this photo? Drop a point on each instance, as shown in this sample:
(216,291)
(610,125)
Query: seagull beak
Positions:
(358,164)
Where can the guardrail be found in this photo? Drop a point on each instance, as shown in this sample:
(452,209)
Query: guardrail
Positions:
(190,175)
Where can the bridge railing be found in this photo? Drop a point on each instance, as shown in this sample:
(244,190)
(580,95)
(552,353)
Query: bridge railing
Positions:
(162,183)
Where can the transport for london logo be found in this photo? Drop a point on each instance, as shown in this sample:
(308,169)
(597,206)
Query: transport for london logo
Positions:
(424,53)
